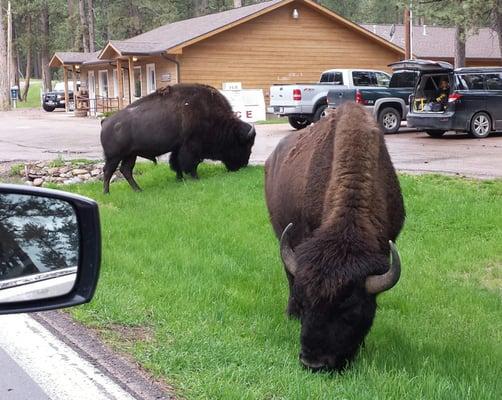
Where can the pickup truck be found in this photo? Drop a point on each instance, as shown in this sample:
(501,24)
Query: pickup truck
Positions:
(389,104)
(306,103)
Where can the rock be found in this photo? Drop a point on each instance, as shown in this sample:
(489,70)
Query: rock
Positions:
(29,183)
(79,171)
(85,177)
(96,172)
(38,182)
(64,170)
(53,171)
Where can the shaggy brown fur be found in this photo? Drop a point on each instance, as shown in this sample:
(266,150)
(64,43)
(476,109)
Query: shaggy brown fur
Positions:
(335,182)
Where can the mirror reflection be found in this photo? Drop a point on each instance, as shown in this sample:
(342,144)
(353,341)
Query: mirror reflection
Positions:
(39,247)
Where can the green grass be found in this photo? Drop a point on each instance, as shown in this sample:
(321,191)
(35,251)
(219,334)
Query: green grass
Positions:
(272,121)
(33,100)
(192,270)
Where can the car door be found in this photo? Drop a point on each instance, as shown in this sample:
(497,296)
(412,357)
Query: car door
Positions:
(493,83)
(471,88)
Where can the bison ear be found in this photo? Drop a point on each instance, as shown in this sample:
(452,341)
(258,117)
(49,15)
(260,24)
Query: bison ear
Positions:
(287,253)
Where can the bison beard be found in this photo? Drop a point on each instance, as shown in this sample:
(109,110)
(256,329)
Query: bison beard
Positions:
(192,122)
(336,205)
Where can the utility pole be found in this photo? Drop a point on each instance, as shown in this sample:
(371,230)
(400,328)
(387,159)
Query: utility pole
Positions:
(407,33)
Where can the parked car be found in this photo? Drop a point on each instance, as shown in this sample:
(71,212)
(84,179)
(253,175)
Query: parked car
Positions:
(55,98)
(389,101)
(462,100)
(307,103)
(50,249)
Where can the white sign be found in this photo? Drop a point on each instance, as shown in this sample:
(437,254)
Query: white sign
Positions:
(165,77)
(232,86)
(248,104)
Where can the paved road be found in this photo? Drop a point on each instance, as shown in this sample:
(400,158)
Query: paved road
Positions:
(35,135)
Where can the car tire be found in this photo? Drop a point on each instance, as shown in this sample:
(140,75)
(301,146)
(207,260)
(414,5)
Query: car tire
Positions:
(298,122)
(389,120)
(481,125)
(48,108)
(320,112)
(435,133)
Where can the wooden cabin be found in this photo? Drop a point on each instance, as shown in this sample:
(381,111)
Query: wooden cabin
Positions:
(274,42)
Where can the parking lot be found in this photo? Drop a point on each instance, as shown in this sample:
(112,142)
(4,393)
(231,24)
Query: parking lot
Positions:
(30,135)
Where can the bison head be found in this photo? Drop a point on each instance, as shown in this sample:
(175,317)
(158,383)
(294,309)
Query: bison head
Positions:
(336,310)
(237,154)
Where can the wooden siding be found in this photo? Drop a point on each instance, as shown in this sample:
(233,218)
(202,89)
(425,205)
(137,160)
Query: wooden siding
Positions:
(275,48)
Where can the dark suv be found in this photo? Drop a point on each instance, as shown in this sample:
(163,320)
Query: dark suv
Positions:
(463,99)
(55,98)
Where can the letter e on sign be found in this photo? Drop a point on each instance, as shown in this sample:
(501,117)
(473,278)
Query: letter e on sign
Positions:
(249,114)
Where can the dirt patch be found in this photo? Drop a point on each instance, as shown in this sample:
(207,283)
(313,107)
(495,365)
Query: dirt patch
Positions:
(492,278)
(128,334)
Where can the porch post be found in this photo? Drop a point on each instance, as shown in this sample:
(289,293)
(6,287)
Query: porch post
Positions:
(120,83)
(74,73)
(66,97)
(131,79)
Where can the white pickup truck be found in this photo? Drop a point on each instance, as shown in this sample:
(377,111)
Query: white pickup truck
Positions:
(306,103)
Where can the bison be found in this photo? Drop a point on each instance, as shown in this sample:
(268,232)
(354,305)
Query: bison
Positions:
(193,122)
(336,205)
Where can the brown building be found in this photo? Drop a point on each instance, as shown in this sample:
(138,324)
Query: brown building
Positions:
(278,41)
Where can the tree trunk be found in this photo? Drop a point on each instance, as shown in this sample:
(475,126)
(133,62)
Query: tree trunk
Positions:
(27,77)
(4,80)
(90,19)
(44,47)
(460,39)
(85,27)
(497,22)
(200,7)
(135,24)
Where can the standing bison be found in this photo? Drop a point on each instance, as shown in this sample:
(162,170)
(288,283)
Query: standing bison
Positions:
(193,122)
(336,205)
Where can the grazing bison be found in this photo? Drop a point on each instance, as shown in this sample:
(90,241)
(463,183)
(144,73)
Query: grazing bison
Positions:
(193,122)
(336,205)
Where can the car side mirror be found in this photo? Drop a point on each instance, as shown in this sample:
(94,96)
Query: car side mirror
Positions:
(50,249)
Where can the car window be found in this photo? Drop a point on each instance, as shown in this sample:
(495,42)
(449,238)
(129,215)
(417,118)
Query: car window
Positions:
(332,77)
(471,82)
(363,78)
(494,81)
(403,79)
(382,79)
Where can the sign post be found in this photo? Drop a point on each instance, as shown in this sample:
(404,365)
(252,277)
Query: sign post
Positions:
(13,95)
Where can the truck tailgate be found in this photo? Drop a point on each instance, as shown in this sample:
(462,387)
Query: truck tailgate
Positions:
(282,95)
(336,97)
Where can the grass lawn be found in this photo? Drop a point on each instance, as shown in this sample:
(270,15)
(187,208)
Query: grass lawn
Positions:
(192,287)
(33,100)
(273,121)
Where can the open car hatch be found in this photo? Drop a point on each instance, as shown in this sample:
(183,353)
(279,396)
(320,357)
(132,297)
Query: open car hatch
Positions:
(422,66)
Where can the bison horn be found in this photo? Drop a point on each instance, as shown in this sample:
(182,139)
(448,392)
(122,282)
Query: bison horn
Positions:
(379,283)
(252,133)
(287,253)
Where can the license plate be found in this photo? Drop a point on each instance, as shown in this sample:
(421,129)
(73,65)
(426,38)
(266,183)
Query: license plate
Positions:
(50,103)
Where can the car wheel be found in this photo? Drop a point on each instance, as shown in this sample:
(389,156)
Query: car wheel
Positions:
(480,125)
(435,133)
(320,112)
(389,120)
(48,108)
(298,123)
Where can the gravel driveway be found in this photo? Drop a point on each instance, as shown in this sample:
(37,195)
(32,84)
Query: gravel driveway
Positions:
(37,135)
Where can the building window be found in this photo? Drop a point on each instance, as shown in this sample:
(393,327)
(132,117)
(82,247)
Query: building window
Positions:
(103,83)
(137,82)
(151,84)
(125,82)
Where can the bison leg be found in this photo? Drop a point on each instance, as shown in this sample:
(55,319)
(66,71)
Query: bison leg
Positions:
(188,162)
(175,165)
(111,165)
(126,168)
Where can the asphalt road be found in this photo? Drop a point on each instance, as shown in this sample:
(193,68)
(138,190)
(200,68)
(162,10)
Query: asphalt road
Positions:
(37,135)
